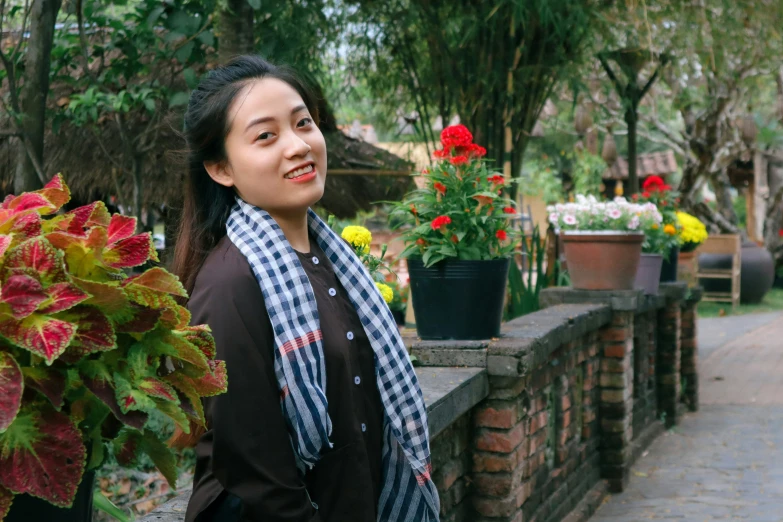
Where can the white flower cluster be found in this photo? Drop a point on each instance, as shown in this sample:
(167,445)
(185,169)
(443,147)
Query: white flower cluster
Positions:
(587,213)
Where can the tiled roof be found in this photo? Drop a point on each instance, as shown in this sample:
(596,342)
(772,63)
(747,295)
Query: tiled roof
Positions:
(654,163)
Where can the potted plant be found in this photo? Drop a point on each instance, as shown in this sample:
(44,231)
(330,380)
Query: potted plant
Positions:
(459,242)
(360,239)
(399,302)
(602,240)
(692,234)
(88,354)
(656,191)
(659,240)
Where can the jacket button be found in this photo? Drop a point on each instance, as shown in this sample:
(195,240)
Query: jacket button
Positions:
(332,292)
(357,380)
(364,427)
(349,335)
(315,260)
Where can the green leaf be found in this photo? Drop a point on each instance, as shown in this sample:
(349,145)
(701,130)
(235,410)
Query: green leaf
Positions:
(179,98)
(154,15)
(184,52)
(102,503)
(149,103)
(207,38)
(191,79)
(161,456)
(255,4)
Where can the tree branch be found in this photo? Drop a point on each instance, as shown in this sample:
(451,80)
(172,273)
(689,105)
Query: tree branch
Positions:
(651,81)
(83,41)
(610,73)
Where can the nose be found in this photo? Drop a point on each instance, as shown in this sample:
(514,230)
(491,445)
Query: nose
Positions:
(296,146)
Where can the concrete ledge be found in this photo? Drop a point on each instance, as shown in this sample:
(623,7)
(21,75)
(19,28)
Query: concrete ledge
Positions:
(619,300)
(450,392)
(694,295)
(675,291)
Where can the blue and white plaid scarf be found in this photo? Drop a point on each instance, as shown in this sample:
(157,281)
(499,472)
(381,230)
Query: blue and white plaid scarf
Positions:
(408,492)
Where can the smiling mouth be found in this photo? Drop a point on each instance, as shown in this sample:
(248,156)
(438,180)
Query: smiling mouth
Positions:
(300,172)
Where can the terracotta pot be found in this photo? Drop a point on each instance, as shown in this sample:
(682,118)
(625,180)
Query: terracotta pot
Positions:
(687,268)
(648,275)
(602,260)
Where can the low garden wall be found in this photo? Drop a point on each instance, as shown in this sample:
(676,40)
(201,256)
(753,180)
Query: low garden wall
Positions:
(538,424)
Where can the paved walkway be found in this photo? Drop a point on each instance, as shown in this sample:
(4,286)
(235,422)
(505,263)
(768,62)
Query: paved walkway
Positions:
(726,461)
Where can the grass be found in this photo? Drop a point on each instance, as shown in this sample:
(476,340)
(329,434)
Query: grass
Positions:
(772,302)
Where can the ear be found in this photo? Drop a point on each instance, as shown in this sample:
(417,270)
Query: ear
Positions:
(220,172)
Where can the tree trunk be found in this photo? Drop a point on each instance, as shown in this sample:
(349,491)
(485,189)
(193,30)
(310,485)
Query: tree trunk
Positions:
(138,186)
(633,178)
(235,29)
(35,88)
(722,187)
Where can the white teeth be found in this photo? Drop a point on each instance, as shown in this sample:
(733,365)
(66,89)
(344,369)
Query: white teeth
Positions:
(299,172)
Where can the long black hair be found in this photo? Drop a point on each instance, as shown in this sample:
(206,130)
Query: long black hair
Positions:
(207,204)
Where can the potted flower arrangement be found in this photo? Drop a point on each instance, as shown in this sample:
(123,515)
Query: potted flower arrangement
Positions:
(88,354)
(459,242)
(659,240)
(360,239)
(656,191)
(603,240)
(692,234)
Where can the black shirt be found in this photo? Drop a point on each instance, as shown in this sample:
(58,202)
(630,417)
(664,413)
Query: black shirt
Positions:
(246,455)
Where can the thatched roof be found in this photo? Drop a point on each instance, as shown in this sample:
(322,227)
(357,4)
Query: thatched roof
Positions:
(91,174)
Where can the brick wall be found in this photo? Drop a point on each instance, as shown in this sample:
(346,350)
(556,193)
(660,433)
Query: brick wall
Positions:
(451,465)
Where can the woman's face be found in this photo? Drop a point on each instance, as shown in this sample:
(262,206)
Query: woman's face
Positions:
(276,155)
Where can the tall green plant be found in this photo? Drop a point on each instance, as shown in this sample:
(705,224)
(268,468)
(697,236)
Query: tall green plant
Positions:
(524,290)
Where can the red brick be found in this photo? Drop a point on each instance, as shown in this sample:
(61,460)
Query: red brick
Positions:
(536,441)
(494,462)
(494,484)
(565,403)
(500,416)
(618,349)
(566,418)
(616,334)
(501,441)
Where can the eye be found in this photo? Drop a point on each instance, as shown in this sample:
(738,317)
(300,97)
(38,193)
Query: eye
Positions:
(304,122)
(264,136)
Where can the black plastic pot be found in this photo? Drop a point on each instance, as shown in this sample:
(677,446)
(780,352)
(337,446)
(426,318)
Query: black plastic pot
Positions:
(756,276)
(399,317)
(26,508)
(458,299)
(669,267)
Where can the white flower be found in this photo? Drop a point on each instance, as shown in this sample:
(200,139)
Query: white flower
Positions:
(634,224)
(569,219)
(553,216)
(615,213)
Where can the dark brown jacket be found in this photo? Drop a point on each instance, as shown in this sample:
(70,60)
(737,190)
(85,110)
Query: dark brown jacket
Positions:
(246,458)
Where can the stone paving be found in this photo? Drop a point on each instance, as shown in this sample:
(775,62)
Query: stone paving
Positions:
(724,462)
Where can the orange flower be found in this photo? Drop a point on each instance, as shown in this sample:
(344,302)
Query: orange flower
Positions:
(669,230)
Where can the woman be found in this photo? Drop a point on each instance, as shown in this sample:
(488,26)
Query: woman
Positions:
(323,419)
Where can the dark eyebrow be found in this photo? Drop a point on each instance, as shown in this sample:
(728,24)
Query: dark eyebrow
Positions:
(265,119)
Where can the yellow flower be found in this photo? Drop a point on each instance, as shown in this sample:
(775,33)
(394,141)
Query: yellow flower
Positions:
(670,230)
(386,292)
(693,230)
(656,227)
(359,237)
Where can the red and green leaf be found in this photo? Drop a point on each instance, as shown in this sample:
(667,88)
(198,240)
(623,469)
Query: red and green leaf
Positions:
(143,320)
(23,294)
(94,334)
(158,389)
(175,317)
(27,226)
(155,280)
(11,388)
(214,382)
(130,252)
(42,454)
(31,201)
(49,382)
(121,227)
(189,399)
(103,389)
(63,296)
(178,347)
(5,242)
(38,258)
(108,297)
(201,336)
(6,499)
(57,192)
(127,445)
(42,335)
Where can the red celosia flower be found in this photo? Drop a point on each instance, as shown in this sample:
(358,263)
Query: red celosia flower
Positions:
(780,232)
(413,209)
(421,241)
(501,235)
(440,222)
(645,194)
(454,238)
(459,160)
(441,153)
(425,171)
(483,200)
(509,210)
(476,151)
(635,197)
(654,183)
(440,187)
(497,179)
(456,136)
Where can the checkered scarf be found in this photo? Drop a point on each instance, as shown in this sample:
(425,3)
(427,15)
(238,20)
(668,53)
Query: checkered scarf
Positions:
(408,493)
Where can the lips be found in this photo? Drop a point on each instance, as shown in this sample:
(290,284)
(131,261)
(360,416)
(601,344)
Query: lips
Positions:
(300,171)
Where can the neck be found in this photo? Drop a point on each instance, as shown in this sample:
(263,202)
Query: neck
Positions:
(294,227)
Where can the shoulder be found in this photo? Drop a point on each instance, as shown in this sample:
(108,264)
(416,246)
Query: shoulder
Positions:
(225,278)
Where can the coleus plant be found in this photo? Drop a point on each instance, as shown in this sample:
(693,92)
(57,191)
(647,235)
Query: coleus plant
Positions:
(87,352)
